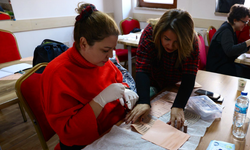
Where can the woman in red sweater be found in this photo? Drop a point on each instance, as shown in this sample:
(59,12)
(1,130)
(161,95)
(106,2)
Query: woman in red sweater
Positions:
(81,88)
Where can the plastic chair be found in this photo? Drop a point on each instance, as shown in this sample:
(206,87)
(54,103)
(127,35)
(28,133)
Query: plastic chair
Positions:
(8,47)
(28,91)
(126,26)
(203,55)
(210,33)
(4,16)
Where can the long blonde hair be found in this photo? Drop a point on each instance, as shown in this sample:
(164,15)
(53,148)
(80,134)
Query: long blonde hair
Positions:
(181,23)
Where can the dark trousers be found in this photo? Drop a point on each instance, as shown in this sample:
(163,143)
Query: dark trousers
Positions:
(74,147)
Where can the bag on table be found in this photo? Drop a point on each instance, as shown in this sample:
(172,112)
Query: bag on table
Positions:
(204,106)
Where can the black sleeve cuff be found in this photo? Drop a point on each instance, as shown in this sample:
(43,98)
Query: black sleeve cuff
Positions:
(143,88)
(185,90)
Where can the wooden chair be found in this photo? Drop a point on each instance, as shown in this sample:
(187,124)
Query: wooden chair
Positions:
(126,26)
(8,47)
(203,54)
(4,16)
(28,91)
(9,52)
(210,33)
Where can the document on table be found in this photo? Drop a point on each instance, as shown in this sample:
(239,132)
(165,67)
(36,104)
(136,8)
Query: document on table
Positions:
(14,69)
(162,105)
(143,127)
(165,136)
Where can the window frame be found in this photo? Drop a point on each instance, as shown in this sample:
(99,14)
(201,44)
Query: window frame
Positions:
(157,5)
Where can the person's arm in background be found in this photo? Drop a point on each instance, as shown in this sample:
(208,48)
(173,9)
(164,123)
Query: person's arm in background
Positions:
(142,108)
(229,47)
(184,92)
(190,68)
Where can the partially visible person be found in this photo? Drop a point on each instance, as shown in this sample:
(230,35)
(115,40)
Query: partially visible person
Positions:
(244,35)
(224,47)
(168,52)
(82,90)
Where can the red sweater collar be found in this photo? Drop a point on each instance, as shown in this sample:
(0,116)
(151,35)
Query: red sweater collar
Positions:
(78,59)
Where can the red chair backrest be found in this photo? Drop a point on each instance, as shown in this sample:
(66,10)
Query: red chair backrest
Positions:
(203,55)
(127,25)
(211,33)
(8,47)
(4,16)
(30,89)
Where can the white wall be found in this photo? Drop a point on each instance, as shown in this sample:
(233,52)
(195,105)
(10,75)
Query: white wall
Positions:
(33,9)
(197,8)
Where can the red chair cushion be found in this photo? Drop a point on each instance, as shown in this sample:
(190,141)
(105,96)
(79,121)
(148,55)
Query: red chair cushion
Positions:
(122,54)
(8,47)
(129,25)
(211,33)
(4,16)
(203,55)
(30,90)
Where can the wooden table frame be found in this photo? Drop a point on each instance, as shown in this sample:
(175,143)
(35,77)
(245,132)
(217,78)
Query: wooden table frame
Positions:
(8,95)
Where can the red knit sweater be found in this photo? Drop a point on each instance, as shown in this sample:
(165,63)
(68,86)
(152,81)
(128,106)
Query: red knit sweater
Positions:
(69,83)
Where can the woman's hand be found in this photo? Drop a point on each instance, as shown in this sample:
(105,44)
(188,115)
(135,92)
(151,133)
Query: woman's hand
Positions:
(177,117)
(113,92)
(248,42)
(140,110)
(130,98)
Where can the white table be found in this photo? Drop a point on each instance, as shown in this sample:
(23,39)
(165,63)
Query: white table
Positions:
(130,40)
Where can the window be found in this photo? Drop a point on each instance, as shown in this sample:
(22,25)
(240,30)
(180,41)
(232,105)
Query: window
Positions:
(158,3)
(247,3)
(223,6)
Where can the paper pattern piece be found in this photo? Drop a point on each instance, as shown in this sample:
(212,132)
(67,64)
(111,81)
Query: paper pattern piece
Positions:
(143,127)
(190,117)
(12,77)
(162,105)
(165,136)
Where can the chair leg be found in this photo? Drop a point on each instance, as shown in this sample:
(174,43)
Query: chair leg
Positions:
(125,64)
(23,112)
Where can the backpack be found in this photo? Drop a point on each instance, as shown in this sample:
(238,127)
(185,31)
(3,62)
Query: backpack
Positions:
(47,51)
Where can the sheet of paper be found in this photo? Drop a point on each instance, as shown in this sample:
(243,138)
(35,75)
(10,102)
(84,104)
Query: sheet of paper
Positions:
(4,73)
(196,84)
(16,67)
(190,117)
(165,136)
(162,105)
(143,127)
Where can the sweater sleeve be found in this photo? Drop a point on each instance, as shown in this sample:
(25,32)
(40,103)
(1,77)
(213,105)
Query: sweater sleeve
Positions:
(143,88)
(185,90)
(228,45)
(74,122)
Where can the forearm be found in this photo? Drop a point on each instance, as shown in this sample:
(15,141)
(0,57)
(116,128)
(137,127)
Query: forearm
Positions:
(97,108)
(143,88)
(185,90)
(231,49)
